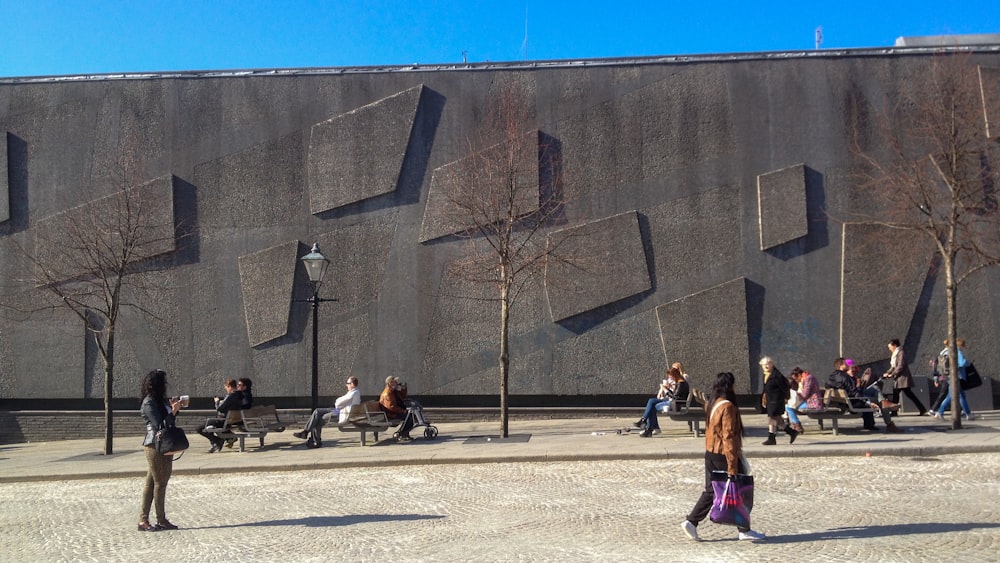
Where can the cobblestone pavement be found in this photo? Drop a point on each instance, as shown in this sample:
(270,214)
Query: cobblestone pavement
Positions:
(813,509)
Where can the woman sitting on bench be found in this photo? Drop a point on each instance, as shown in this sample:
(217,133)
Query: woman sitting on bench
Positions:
(391,401)
(672,390)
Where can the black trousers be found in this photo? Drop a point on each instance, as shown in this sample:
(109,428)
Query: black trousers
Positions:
(909,393)
(212,437)
(715,462)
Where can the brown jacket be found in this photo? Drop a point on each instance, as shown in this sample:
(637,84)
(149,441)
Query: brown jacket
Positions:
(724,433)
(392,402)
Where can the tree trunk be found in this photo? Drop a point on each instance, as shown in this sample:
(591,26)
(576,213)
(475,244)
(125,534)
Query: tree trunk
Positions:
(109,370)
(954,387)
(504,358)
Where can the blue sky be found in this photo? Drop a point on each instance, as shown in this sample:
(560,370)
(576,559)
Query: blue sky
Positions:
(60,37)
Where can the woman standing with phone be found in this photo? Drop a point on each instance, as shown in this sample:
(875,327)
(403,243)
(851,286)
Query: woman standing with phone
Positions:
(157,411)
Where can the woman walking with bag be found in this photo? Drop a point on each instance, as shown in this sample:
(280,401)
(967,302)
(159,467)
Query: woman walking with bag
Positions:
(158,411)
(723,452)
(776,394)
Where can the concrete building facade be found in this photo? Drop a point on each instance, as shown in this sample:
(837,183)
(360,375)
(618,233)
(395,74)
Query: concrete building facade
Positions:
(710,176)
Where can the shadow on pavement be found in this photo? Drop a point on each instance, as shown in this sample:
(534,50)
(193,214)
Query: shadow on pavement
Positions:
(329,521)
(881,531)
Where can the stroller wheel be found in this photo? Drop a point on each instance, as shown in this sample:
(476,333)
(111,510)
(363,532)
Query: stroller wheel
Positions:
(430,432)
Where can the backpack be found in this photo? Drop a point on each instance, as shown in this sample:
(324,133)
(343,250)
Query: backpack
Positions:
(941,364)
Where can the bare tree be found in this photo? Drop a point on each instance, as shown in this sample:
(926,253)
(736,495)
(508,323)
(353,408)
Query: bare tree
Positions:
(90,258)
(501,199)
(935,174)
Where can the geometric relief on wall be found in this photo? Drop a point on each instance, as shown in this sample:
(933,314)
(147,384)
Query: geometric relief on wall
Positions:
(883,273)
(359,154)
(623,356)
(148,209)
(781,201)
(707,332)
(4,185)
(989,81)
(266,279)
(358,257)
(462,192)
(595,264)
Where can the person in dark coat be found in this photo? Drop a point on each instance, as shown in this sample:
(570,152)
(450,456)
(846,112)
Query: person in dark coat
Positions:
(157,411)
(899,372)
(776,393)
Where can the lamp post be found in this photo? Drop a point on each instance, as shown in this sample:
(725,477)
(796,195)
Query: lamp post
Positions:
(316,265)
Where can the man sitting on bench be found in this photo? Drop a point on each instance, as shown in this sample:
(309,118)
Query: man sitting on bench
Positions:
(391,401)
(840,379)
(313,431)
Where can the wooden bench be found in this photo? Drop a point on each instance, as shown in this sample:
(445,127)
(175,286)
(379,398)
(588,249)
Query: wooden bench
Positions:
(837,405)
(255,422)
(691,411)
(367,417)
(829,411)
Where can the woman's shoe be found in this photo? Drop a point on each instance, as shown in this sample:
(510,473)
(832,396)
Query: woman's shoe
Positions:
(146,527)
(792,434)
(165,525)
(646,433)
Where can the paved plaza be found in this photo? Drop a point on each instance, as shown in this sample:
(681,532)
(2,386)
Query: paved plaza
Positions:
(557,490)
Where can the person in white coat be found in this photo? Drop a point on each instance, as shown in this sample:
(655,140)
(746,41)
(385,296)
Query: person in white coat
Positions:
(313,431)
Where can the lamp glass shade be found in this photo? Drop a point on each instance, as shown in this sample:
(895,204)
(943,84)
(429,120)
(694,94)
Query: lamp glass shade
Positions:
(316,264)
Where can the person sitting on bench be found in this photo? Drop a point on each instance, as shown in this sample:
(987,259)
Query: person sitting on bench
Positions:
(313,431)
(840,379)
(232,400)
(391,401)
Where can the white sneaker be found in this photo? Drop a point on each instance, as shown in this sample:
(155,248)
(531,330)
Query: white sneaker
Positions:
(970,416)
(657,430)
(691,530)
(938,416)
(751,535)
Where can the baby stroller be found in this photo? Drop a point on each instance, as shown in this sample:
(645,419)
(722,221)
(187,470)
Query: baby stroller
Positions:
(415,413)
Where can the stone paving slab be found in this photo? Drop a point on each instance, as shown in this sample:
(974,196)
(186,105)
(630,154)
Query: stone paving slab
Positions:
(845,508)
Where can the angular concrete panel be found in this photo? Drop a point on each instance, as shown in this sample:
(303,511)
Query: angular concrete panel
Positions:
(708,333)
(267,278)
(622,357)
(595,264)
(781,206)
(695,240)
(989,82)
(358,255)
(883,273)
(64,241)
(360,154)
(259,187)
(464,193)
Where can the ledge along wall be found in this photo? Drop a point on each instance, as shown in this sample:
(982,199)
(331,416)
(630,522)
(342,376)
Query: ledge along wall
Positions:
(706,178)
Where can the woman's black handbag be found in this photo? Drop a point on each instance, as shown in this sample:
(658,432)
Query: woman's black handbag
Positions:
(171,440)
(972,378)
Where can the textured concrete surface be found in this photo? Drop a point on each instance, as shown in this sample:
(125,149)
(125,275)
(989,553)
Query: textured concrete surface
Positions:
(782,206)
(554,490)
(347,158)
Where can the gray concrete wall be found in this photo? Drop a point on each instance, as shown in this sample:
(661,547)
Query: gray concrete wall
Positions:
(709,175)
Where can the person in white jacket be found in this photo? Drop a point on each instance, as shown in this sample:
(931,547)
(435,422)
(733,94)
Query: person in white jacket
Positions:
(313,431)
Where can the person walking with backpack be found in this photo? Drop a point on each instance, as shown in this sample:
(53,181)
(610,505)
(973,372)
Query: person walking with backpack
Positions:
(944,367)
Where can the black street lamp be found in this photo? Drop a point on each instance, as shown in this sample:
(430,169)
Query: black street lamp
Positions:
(316,265)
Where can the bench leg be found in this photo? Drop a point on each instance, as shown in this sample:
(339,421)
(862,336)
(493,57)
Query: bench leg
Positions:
(262,441)
(376,435)
(362,438)
(243,446)
(821,424)
(833,424)
(697,430)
